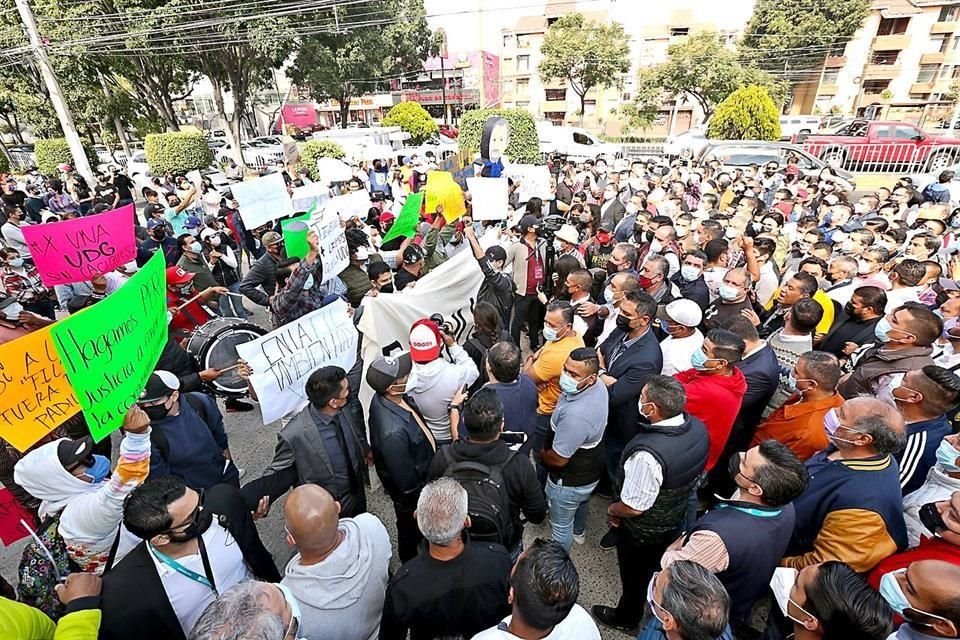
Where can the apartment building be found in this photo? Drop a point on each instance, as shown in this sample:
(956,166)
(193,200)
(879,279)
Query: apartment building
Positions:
(899,65)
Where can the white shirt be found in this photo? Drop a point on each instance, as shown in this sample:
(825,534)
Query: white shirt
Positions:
(767,284)
(578,625)
(842,294)
(188,597)
(643,475)
(677,352)
(714,277)
(13,236)
(896,297)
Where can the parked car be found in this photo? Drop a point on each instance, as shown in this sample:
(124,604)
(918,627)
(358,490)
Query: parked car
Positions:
(794,125)
(449,130)
(252,155)
(686,145)
(743,153)
(574,143)
(884,145)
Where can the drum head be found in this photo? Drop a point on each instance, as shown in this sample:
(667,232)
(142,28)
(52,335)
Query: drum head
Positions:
(215,346)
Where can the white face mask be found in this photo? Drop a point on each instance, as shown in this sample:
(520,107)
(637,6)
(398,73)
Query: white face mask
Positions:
(782,584)
(215,241)
(309,283)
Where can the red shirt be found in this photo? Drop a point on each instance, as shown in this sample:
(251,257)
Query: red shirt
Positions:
(715,399)
(188,318)
(534,270)
(928,549)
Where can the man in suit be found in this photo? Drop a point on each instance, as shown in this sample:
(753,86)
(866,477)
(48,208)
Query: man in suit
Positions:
(320,445)
(195,545)
(611,209)
(628,357)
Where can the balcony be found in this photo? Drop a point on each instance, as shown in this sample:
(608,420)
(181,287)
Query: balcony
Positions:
(921,87)
(873,98)
(896,42)
(881,71)
(945,27)
(554,105)
(933,58)
(828,89)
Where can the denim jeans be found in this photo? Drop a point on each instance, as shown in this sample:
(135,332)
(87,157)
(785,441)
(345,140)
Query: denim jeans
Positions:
(232,306)
(568,510)
(536,447)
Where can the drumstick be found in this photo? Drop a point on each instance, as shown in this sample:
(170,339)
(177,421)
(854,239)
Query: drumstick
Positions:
(236,295)
(188,302)
(230,368)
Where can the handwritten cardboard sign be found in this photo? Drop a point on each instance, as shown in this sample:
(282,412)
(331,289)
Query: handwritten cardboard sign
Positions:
(262,200)
(332,245)
(489,198)
(283,359)
(35,395)
(310,196)
(534,181)
(442,190)
(79,249)
(110,349)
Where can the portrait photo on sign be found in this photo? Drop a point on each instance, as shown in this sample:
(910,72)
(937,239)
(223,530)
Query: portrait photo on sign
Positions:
(493,145)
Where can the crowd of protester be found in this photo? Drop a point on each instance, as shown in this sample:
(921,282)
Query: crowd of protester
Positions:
(753,370)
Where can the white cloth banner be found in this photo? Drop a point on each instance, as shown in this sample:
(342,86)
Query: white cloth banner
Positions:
(283,359)
(334,252)
(309,195)
(534,181)
(488,197)
(351,205)
(262,200)
(450,290)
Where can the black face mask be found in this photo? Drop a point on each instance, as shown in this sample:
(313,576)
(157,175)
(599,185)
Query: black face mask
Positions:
(649,235)
(387,288)
(156,412)
(733,467)
(931,518)
(195,529)
(623,324)
(159,235)
(848,309)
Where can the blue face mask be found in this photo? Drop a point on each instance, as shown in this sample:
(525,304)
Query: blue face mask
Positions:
(880,331)
(99,470)
(308,283)
(568,385)
(947,456)
(294,608)
(550,334)
(699,360)
(689,273)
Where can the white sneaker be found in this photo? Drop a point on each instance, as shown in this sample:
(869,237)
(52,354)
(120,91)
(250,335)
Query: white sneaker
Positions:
(580,539)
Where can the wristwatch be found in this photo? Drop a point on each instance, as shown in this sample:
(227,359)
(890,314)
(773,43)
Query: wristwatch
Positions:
(458,407)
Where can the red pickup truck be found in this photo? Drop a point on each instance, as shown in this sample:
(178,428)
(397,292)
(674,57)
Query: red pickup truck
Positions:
(871,145)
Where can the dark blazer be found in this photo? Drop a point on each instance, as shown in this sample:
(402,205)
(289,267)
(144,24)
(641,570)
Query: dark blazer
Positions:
(133,601)
(762,372)
(614,212)
(632,369)
(863,335)
(401,450)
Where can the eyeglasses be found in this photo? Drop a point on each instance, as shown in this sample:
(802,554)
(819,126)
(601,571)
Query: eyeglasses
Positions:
(194,517)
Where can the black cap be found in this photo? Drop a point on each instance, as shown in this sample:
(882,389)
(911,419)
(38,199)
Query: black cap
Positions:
(413,254)
(528,221)
(74,452)
(386,370)
(495,253)
(160,384)
(606,225)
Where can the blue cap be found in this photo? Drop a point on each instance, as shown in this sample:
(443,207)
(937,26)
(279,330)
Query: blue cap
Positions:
(193,222)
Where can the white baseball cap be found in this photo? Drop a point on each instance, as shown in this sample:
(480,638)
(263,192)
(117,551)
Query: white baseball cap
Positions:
(684,312)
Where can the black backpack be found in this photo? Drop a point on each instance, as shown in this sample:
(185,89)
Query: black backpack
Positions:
(488,503)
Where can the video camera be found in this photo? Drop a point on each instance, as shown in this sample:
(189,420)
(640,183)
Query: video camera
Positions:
(549,226)
(445,326)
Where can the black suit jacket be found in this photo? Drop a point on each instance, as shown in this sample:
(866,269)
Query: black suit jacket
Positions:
(133,601)
(632,369)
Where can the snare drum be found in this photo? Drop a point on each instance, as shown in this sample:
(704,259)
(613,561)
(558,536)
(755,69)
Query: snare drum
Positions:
(214,345)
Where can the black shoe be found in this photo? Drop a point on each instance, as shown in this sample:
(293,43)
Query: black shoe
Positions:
(234,406)
(606,494)
(609,539)
(607,616)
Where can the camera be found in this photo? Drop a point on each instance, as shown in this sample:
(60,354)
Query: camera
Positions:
(549,226)
(445,326)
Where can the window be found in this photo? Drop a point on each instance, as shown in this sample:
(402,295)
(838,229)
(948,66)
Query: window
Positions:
(902,132)
(927,72)
(884,57)
(938,43)
(555,94)
(626,96)
(948,14)
(508,86)
(892,26)
(551,20)
(507,41)
(556,117)
(876,86)
(523,64)
(522,105)
(956,43)
(676,32)
(830,76)
(920,96)
(523,42)
(590,107)
(523,85)
(581,138)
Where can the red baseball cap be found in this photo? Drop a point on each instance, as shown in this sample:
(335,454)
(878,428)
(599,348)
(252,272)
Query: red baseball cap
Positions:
(177,276)
(425,341)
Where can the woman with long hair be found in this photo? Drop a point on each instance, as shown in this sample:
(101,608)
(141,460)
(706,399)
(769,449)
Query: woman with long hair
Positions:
(487,331)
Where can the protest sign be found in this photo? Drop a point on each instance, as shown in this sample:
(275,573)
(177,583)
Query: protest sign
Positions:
(283,359)
(488,196)
(110,349)
(332,242)
(309,196)
(35,395)
(406,223)
(534,181)
(79,249)
(11,513)
(442,190)
(351,205)
(196,179)
(262,200)
(295,235)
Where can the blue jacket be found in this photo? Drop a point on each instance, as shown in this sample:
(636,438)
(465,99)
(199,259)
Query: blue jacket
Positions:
(920,454)
(190,444)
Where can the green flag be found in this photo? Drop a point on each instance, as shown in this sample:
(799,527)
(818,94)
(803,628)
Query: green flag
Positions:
(110,349)
(295,234)
(406,223)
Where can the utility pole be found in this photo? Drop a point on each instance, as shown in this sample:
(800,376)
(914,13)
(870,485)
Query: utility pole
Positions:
(81,164)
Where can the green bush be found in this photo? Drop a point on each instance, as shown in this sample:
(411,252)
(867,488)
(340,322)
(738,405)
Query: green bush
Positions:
(177,152)
(4,163)
(524,144)
(413,119)
(746,114)
(53,152)
(313,150)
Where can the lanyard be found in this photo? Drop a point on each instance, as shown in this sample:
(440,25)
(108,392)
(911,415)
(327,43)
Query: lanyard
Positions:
(207,580)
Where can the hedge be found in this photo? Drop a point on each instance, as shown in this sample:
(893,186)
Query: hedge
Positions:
(524,144)
(748,113)
(413,119)
(313,150)
(4,163)
(53,152)
(177,152)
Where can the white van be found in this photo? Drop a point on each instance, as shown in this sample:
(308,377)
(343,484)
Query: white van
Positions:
(573,142)
(793,125)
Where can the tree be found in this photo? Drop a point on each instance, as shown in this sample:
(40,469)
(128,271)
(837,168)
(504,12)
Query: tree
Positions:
(704,68)
(746,114)
(584,54)
(795,36)
(413,119)
(351,60)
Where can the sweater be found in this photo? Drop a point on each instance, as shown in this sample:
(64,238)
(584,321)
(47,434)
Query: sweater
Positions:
(715,400)
(788,349)
(938,486)
(920,453)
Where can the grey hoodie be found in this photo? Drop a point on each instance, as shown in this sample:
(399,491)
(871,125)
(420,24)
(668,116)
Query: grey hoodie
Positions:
(341,598)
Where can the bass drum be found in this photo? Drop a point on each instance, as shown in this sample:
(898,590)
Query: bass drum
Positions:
(214,346)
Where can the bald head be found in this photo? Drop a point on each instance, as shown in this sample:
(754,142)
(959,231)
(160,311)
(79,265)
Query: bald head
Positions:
(312,517)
